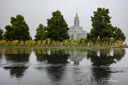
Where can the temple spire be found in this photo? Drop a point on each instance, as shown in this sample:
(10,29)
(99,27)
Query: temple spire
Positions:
(76,11)
(76,20)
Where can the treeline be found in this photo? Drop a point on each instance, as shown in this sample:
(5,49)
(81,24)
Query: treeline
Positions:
(57,29)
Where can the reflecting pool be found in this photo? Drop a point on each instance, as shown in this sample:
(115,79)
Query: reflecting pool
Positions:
(74,66)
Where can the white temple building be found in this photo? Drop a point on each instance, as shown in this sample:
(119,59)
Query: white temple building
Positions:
(76,31)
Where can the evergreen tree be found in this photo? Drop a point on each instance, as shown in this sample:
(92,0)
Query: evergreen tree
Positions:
(57,28)
(18,30)
(102,28)
(9,34)
(118,34)
(40,33)
(1,34)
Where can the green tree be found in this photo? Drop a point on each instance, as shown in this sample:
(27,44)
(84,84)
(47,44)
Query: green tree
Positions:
(57,28)
(102,28)
(118,34)
(9,34)
(1,34)
(40,32)
(18,30)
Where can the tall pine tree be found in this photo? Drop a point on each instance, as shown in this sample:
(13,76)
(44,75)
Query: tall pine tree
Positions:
(102,28)
(57,28)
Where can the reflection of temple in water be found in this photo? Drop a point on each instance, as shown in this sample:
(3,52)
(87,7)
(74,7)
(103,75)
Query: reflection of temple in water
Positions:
(76,55)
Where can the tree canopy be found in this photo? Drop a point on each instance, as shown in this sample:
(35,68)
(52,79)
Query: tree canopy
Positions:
(118,34)
(40,32)
(1,34)
(102,28)
(18,30)
(57,28)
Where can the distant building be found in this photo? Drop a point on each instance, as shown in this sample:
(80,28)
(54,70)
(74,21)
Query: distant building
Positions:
(76,31)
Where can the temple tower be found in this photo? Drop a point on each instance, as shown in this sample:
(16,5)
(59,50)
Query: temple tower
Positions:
(76,31)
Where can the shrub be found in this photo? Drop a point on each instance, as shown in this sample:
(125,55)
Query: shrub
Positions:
(71,43)
(15,43)
(27,43)
(83,43)
(21,43)
(77,42)
(66,43)
(58,43)
(33,43)
(39,43)
(90,43)
(48,43)
(9,43)
(2,42)
(44,43)
(53,43)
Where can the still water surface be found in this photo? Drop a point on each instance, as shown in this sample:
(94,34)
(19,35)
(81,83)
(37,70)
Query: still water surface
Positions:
(20,66)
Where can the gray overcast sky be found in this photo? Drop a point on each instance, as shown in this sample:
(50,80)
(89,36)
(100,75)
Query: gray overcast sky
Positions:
(38,11)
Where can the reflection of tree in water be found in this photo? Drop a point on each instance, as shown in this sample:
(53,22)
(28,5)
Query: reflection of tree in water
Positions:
(56,59)
(0,58)
(16,71)
(16,56)
(100,74)
(101,61)
(40,54)
(104,58)
(119,53)
(1,54)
